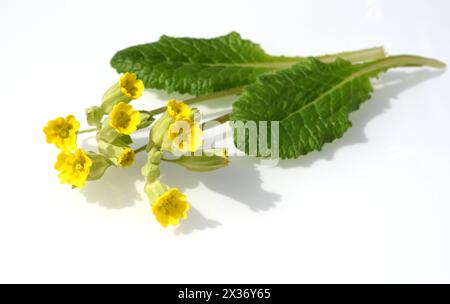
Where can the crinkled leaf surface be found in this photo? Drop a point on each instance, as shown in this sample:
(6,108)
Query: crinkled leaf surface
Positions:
(312,100)
(196,66)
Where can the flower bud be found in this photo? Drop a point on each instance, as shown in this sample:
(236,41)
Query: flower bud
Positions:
(94,116)
(210,160)
(118,152)
(151,169)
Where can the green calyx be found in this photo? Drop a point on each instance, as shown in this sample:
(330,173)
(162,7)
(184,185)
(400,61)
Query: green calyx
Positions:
(107,133)
(94,116)
(158,133)
(151,170)
(112,97)
(210,160)
(155,189)
(100,164)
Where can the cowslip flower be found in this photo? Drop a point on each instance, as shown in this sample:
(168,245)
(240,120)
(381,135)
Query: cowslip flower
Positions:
(131,86)
(124,119)
(178,110)
(186,135)
(73,167)
(170,207)
(126,158)
(127,89)
(62,132)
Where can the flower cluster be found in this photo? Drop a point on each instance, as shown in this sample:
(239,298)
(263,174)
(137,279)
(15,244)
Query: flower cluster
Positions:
(176,132)
(76,166)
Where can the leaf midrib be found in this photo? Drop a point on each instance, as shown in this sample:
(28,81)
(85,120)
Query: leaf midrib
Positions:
(368,69)
(284,62)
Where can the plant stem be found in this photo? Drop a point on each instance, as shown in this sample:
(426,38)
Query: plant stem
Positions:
(397,62)
(194,100)
(141,149)
(354,57)
(360,56)
(87,131)
(219,94)
(222,119)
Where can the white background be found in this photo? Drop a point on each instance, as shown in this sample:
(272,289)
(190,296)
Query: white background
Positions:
(373,206)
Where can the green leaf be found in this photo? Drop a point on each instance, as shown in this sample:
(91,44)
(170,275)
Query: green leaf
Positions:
(195,66)
(203,66)
(312,100)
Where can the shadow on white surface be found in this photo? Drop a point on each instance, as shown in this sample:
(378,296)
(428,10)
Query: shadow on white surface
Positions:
(195,222)
(117,188)
(240,181)
(387,88)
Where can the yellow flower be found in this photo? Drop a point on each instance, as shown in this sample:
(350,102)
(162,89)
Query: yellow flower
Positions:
(124,119)
(62,132)
(127,89)
(130,86)
(126,158)
(186,135)
(73,167)
(178,110)
(170,207)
